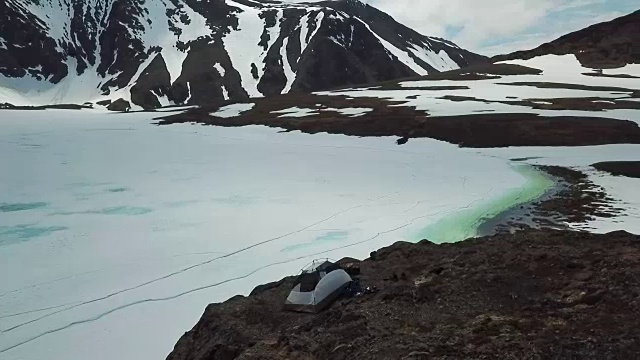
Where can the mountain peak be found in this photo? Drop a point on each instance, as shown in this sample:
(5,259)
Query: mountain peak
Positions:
(101,51)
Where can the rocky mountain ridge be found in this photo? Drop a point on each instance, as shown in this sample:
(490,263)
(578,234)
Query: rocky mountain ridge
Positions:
(153,53)
(606,45)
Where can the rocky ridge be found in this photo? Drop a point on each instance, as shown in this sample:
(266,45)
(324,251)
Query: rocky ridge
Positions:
(156,53)
(606,45)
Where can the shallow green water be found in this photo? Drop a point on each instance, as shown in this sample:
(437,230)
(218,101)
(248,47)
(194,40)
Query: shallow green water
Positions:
(465,223)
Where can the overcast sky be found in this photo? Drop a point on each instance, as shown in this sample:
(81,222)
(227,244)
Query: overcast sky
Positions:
(493,27)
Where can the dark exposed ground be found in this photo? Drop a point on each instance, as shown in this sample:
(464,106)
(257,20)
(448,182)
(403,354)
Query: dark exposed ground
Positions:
(534,295)
(44,107)
(388,118)
(618,76)
(550,85)
(473,130)
(620,168)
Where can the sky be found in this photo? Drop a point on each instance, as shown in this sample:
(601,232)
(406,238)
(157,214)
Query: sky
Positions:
(492,27)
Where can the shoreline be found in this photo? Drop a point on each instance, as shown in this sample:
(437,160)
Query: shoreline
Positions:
(572,200)
(475,222)
(521,216)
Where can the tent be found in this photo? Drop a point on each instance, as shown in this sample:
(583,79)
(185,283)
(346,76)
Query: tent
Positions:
(318,285)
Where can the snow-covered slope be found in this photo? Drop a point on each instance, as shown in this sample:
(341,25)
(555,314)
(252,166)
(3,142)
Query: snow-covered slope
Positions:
(158,52)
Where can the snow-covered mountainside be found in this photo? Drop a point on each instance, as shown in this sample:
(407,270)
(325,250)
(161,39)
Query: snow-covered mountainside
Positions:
(152,53)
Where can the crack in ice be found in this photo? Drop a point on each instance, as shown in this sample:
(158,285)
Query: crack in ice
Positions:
(76,305)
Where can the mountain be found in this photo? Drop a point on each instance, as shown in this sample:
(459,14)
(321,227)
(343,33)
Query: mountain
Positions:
(161,52)
(611,44)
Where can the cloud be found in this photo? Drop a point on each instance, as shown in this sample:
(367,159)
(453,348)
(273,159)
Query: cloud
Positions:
(491,25)
(498,26)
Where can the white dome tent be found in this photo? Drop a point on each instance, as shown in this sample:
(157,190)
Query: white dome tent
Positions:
(318,285)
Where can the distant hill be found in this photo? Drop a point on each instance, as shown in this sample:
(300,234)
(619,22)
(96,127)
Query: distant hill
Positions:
(606,45)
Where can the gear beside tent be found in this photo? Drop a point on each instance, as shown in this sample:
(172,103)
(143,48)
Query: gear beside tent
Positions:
(317,287)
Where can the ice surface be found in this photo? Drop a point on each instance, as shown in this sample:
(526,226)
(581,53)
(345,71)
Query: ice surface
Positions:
(120,246)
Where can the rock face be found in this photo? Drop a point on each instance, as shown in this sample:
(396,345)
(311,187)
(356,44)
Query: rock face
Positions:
(620,168)
(606,45)
(533,295)
(156,52)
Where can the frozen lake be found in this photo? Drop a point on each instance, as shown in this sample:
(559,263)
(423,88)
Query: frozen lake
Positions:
(116,233)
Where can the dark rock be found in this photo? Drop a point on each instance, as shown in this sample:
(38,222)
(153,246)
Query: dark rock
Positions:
(154,82)
(120,105)
(620,168)
(262,288)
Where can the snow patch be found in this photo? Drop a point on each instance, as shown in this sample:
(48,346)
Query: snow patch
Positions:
(296,112)
(189,90)
(219,69)
(158,34)
(288,72)
(351,112)
(242,46)
(319,19)
(401,55)
(233,110)
(303,112)
(163,100)
(440,61)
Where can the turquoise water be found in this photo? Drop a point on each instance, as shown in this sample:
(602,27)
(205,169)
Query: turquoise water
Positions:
(465,223)
(19,233)
(118,210)
(332,236)
(22,207)
(117,190)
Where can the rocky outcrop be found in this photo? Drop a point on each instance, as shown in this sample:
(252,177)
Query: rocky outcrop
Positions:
(119,105)
(620,168)
(606,45)
(536,294)
(154,83)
